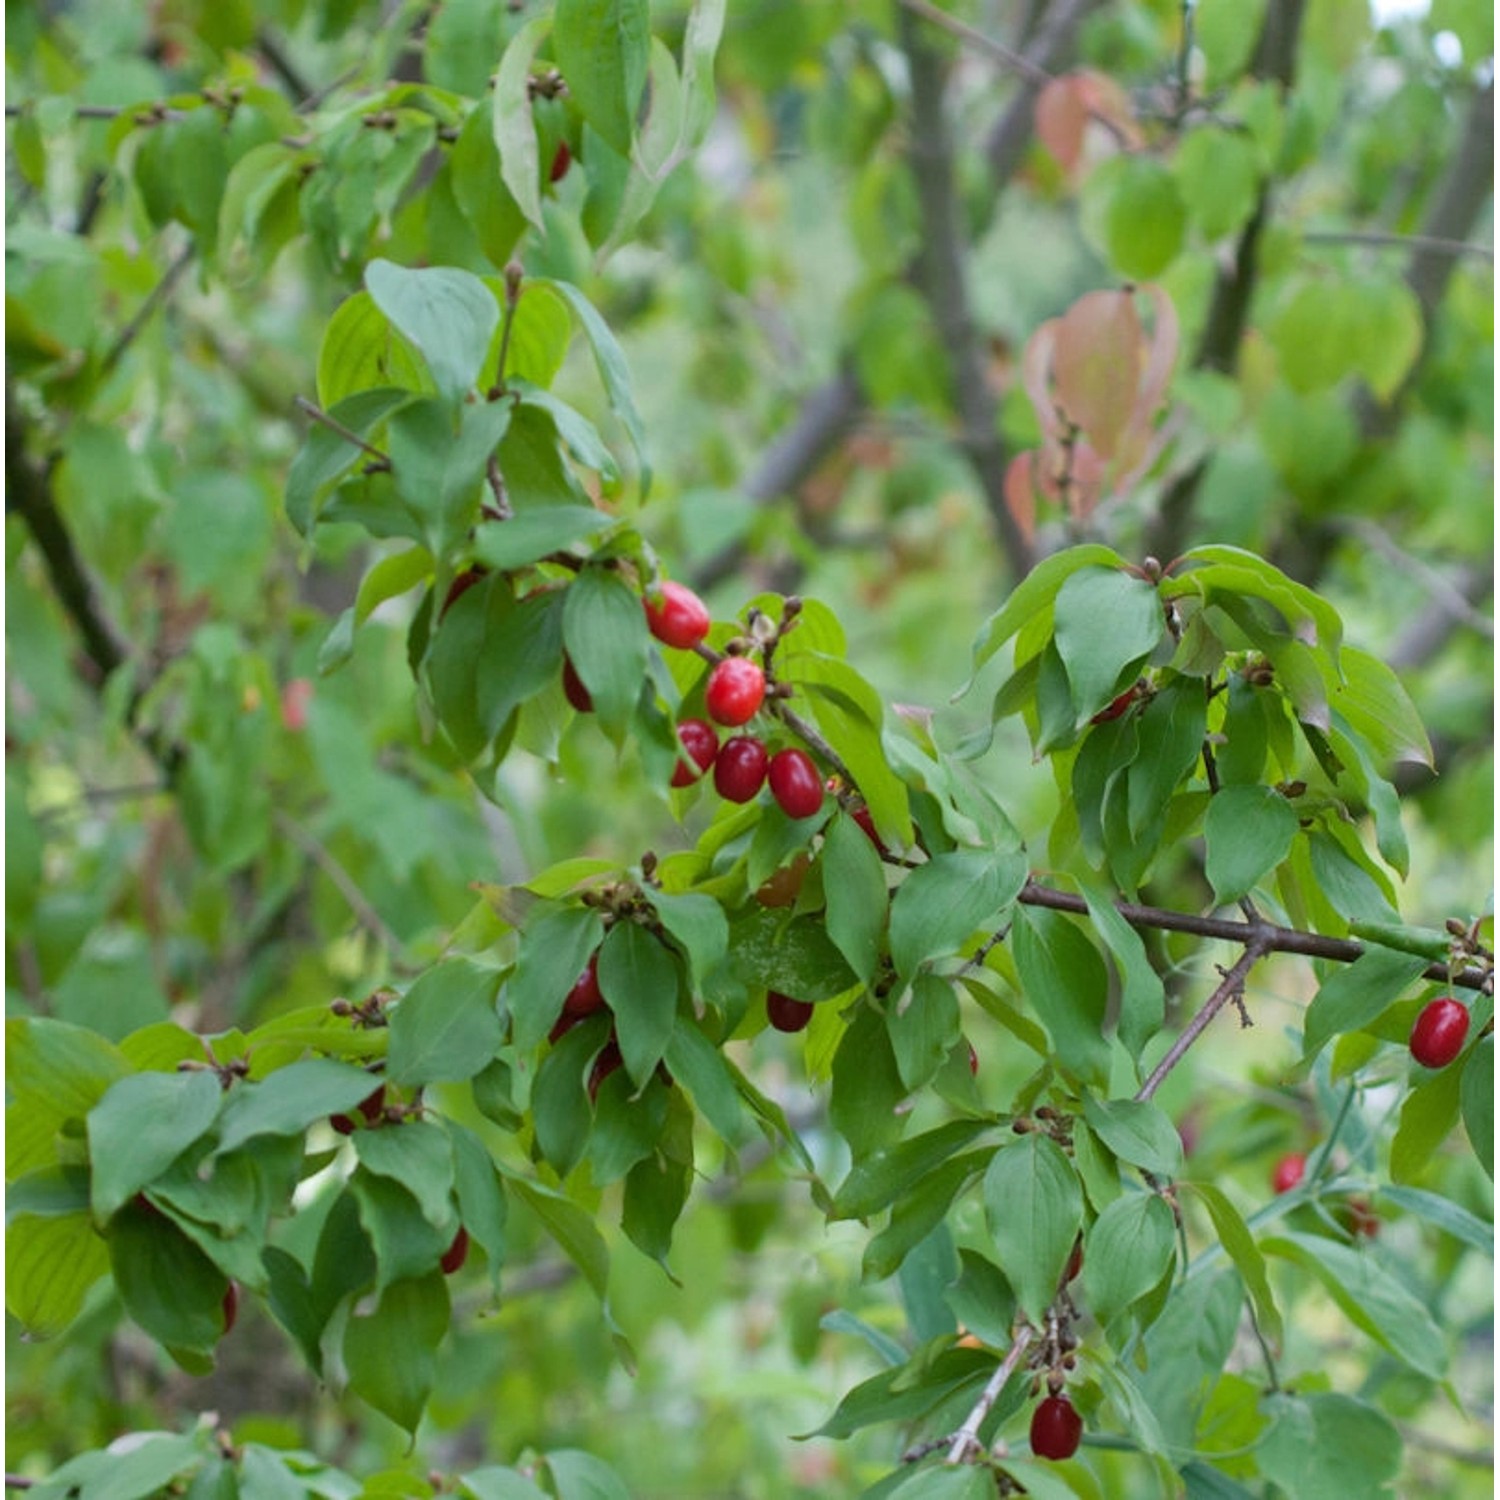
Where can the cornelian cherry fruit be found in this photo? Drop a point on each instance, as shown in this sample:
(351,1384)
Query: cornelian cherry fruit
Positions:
(795,783)
(676,616)
(574,690)
(585,997)
(456,1253)
(461,586)
(1056,1428)
(740,768)
(231,1305)
(371,1108)
(736,689)
(562,159)
(608,1060)
(1117,706)
(787,1014)
(701,741)
(1288,1172)
(1438,1035)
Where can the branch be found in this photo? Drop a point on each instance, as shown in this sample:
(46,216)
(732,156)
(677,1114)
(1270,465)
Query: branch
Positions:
(943,274)
(154,299)
(270,47)
(317,413)
(966,1439)
(998,52)
(1231,987)
(1384,240)
(358,902)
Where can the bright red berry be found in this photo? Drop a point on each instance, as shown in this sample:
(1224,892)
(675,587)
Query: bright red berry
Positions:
(861,815)
(573,688)
(1056,1428)
(1117,706)
(1288,1172)
(585,997)
(736,688)
(795,783)
(1438,1036)
(371,1108)
(562,159)
(231,1305)
(699,739)
(677,616)
(740,768)
(608,1060)
(456,1253)
(787,1014)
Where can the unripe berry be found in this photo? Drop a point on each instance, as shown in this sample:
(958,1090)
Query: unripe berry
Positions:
(698,738)
(740,768)
(1288,1172)
(795,783)
(1056,1428)
(736,688)
(677,616)
(1438,1035)
(787,1014)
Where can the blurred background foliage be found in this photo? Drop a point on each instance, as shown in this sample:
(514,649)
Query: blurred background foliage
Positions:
(789,321)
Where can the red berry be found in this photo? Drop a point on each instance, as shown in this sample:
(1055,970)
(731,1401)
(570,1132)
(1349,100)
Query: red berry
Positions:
(562,159)
(701,742)
(1287,1173)
(1117,706)
(795,783)
(456,1253)
(371,1107)
(1438,1036)
(861,815)
(573,688)
(606,1063)
(973,1060)
(736,688)
(230,1305)
(676,616)
(1056,1428)
(295,697)
(585,997)
(1075,1263)
(461,586)
(740,768)
(1359,1218)
(786,1014)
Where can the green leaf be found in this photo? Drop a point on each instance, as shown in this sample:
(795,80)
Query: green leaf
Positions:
(1239,1245)
(924,1028)
(903,1395)
(533,535)
(613,371)
(50,1265)
(1171,730)
(1428,1114)
(141,1126)
(603,49)
(482,196)
(945,901)
(698,925)
(1033,1204)
(1326,1446)
(966,1482)
(417,1155)
(1355,994)
(605,631)
(1370,1297)
(657,1188)
(640,981)
(390,1354)
(168,1285)
(148,1464)
(361,354)
(481,1199)
(867,1087)
(1143,998)
(1477,1102)
(59,1069)
(447,315)
(406,1243)
(1369,697)
(1218,172)
(854,883)
(1065,981)
(555,947)
(885,1175)
(1144,218)
(513,123)
(1129,1248)
(793,956)
(559,1102)
(1105,621)
(438,469)
(446,1027)
(1466,1228)
(520,652)
(1248,831)
(1138,1133)
(917,1214)
(499,1484)
(700,1068)
(289,1100)
(581,1476)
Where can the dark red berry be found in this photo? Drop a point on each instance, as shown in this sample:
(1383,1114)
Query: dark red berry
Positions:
(699,738)
(676,615)
(1117,706)
(1056,1428)
(740,768)
(1288,1172)
(456,1253)
(1438,1036)
(371,1107)
(230,1305)
(736,688)
(608,1060)
(461,586)
(861,815)
(562,1025)
(562,159)
(787,1014)
(573,688)
(1075,1263)
(585,997)
(795,783)
(1359,1218)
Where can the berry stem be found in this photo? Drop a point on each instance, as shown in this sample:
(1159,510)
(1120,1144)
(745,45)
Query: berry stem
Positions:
(966,1439)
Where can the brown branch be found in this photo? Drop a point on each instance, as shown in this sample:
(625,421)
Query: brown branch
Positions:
(154,299)
(270,47)
(317,413)
(998,52)
(943,274)
(343,882)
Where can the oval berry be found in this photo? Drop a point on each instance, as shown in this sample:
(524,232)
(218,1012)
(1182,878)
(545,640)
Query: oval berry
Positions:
(1288,1172)
(736,689)
(795,783)
(787,1014)
(740,768)
(562,159)
(1438,1035)
(585,997)
(371,1107)
(608,1060)
(231,1305)
(574,690)
(1117,706)
(677,616)
(456,1253)
(461,586)
(1056,1428)
(698,738)
(861,815)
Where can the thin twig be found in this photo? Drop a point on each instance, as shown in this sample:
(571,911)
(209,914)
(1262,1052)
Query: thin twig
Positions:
(358,902)
(998,52)
(967,1436)
(1441,589)
(800,727)
(154,299)
(1381,239)
(1231,987)
(317,413)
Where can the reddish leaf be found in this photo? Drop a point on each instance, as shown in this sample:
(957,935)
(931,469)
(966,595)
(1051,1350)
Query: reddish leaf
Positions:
(1098,350)
(1020,493)
(1062,117)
